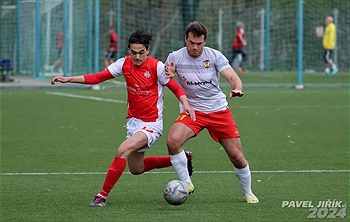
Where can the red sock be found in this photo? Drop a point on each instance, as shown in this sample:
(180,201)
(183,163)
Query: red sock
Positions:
(114,172)
(153,162)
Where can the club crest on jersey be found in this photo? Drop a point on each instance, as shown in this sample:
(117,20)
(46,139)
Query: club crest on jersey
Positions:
(147,74)
(206,63)
(184,78)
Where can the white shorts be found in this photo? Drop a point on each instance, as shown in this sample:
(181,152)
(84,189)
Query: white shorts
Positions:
(153,130)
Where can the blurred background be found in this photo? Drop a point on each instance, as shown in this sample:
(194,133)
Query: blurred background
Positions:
(30,32)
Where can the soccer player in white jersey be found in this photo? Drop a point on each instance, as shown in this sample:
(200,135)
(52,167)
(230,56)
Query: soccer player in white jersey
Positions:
(198,71)
(145,81)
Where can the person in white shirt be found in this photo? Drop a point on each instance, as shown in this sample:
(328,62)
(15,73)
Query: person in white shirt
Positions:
(198,70)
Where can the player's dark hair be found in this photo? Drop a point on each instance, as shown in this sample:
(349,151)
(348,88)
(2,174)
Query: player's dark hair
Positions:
(197,29)
(140,36)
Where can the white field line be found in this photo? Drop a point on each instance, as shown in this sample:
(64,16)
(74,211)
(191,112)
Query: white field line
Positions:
(173,172)
(115,82)
(86,97)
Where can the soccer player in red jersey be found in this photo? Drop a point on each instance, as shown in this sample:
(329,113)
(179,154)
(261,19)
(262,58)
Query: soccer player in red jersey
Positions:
(113,46)
(198,70)
(145,81)
(237,47)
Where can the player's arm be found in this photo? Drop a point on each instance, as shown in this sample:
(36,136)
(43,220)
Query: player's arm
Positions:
(332,35)
(181,96)
(241,38)
(235,82)
(170,66)
(93,78)
(170,70)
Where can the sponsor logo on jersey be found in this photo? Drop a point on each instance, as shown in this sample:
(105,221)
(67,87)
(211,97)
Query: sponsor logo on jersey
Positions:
(206,63)
(198,83)
(137,89)
(147,74)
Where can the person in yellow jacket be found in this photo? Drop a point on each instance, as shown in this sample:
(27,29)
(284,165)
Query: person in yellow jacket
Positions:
(329,39)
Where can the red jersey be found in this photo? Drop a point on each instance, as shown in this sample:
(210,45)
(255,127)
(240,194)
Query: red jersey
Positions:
(113,42)
(144,83)
(59,40)
(239,39)
(145,86)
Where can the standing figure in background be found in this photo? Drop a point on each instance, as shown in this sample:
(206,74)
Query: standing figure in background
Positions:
(59,46)
(112,49)
(237,47)
(329,40)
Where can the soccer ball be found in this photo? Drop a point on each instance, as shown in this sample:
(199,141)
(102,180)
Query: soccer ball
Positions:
(175,192)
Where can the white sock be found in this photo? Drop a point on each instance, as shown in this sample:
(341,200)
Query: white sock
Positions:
(245,178)
(334,66)
(179,162)
(327,70)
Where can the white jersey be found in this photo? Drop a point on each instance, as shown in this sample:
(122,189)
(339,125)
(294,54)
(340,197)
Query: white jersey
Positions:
(200,78)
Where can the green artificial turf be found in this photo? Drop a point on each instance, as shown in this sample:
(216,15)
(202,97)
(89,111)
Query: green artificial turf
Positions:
(55,150)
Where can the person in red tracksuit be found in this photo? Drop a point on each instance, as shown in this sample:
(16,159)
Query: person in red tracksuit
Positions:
(145,80)
(237,47)
(59,46)
(112,49)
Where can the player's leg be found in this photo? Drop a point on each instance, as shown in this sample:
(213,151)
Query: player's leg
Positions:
(135,162)
(233,149)
(60,63)
(111,59)
(234,54)
(244,58)
(179,133)
(240,65)
(118,165)
(138,164)
(222,128)
(332,64)
(327,60)
(57,62)
(107,58)
(106,62)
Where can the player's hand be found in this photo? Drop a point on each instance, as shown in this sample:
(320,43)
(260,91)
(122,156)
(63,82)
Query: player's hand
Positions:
(59,79)
(170,70)
(236,93)
(189,111)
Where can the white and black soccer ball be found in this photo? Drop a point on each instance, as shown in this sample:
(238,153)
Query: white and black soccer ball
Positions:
(175,192)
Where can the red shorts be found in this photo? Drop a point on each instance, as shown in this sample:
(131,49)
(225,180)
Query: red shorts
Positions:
(220,125)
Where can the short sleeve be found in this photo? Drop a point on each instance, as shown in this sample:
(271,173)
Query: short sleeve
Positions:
(116,68)
(222,62)
(170,59)
(161,73)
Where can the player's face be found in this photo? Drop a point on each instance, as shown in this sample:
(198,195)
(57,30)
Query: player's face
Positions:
(138,53)
(326,21)
(194,45)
